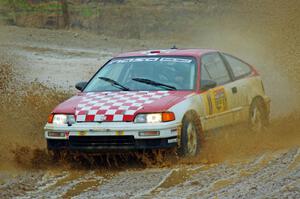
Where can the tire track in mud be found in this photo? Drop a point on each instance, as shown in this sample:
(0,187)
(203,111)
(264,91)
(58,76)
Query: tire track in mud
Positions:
(271,177)
(65,184)
(129,184)
(19,184)
(200,180)
(266,173)
(48,180)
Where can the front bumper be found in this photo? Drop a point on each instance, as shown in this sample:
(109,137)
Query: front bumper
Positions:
(112,136)
(101,143)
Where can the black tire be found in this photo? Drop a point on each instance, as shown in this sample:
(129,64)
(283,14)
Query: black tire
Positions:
(258,118)
(190,135)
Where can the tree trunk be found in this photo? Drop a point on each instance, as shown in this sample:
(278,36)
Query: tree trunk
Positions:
(65,12)
(14,10)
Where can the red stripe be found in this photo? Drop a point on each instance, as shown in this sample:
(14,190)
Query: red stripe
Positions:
(128,118)
(89,118)
(109,118)
(101,112)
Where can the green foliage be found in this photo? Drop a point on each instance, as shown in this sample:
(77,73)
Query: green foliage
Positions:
(25,6)
(16,4)
(86,12)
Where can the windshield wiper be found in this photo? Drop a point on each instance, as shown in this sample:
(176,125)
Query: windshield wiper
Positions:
(154,83)
(115,83)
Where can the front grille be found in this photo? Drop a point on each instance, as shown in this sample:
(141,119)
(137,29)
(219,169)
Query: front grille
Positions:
(151,142)
(101,140)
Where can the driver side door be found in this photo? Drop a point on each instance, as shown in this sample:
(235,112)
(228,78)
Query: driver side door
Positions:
(217,101)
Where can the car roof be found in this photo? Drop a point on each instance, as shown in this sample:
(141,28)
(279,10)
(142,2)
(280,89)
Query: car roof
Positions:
(196,52)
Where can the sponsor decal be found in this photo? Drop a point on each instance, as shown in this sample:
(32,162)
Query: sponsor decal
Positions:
(216,101)
(151,59)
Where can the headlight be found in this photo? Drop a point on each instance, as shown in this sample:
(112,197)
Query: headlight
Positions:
(62,119)
(148,118)
(154,117)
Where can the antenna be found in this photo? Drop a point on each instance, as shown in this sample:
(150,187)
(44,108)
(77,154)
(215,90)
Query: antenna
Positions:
(174,47)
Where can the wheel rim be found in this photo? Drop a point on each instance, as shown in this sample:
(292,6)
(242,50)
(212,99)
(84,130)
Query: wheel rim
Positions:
(192,139)
(256,120)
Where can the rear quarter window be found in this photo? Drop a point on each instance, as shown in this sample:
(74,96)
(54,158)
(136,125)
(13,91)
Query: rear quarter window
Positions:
(239,68)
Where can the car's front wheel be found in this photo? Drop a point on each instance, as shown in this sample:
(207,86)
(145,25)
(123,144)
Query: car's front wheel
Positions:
(190,135)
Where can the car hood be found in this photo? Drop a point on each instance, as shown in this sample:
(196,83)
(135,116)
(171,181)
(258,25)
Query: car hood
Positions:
(119,106)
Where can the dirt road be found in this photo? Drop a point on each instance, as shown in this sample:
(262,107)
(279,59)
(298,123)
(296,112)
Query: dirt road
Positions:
(45,66)
(269,175)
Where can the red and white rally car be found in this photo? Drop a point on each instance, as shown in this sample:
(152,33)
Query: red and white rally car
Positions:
(159,99)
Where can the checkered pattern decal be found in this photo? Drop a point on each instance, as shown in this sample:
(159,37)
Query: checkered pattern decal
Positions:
(114,106)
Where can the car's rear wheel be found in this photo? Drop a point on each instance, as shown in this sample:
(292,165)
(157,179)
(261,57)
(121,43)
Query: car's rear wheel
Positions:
(190,135)
(258,119)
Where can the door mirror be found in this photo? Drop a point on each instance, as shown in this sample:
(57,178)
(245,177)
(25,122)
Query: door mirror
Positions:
(81,85)
(208,84)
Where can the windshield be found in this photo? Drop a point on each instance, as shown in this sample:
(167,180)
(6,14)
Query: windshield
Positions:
(145,74)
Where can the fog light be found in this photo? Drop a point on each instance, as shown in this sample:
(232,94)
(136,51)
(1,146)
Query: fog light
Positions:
(174,131)
(56,134)
(149,133)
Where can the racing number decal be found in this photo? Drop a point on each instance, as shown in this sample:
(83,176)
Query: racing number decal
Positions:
(210,106)
(220,100)
(216,101)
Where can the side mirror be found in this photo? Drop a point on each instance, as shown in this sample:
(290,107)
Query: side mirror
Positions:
(81,85)
(208,84)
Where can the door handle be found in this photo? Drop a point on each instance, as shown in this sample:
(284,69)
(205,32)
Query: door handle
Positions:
(234,90)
